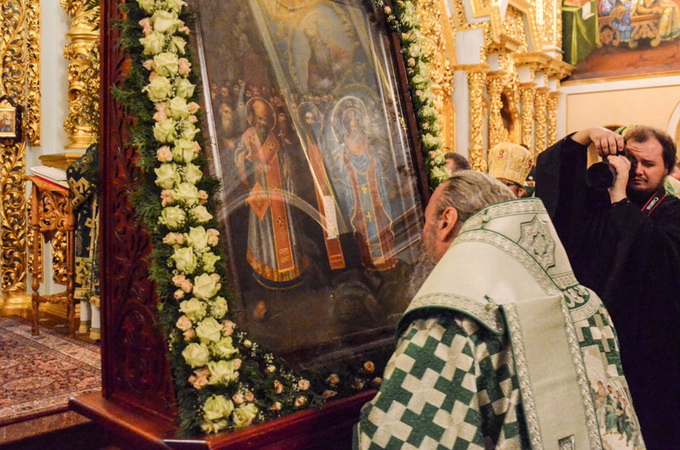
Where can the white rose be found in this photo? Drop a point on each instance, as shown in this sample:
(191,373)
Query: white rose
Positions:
(209,259)
(222,372)
(178,108)
(158,89)
(164,131)
(167,176)
(206,286)
(186,193)
(185,259)
(183,151)
(224,348)
(189,131)
(179,44)
(167,64)
(192,173)
(217,407)
(173,216)
(244,415)
(185,88)
(196,355)
(165,21)
(175,5)
(214,427)
(194,309)
(198,238)
(219,307)
(147,5)
(200,214)
(153,43)
(209,330)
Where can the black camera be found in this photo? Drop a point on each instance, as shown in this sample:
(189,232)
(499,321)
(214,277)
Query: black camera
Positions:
(600,176)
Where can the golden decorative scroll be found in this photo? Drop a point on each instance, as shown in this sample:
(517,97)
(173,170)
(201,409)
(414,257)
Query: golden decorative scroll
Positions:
(528,94)
(83,74)
(439,49)
(33,98)
(540,104)
(477,155)
(13,211)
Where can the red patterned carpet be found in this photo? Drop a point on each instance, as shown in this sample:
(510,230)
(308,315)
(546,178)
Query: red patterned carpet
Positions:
(38,374)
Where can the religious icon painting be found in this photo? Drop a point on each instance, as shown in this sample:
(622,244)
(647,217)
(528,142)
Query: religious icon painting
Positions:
(320,190)
(10,121)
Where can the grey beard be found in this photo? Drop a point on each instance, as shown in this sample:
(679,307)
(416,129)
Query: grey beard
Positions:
(423,267)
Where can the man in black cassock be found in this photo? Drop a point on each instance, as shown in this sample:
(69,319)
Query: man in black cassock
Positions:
(624,243)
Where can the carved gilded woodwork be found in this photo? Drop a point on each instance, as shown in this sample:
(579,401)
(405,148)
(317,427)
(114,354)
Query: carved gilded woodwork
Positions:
(540,105)
(13,52)
(497,132)
(83,74)
(439,48)
(528,94)
(476,85)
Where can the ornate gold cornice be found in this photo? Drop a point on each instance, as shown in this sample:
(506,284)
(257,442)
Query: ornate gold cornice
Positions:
(83,74)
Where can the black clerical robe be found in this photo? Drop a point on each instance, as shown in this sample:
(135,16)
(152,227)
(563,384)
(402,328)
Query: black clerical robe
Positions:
(632,260)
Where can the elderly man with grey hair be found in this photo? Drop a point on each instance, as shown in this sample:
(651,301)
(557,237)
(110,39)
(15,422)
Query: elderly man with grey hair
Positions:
(501,347)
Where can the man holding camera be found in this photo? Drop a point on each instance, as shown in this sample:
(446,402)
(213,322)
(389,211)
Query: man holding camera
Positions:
(623,241)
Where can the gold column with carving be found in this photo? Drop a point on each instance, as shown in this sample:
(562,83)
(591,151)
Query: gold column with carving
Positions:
(83,73)
(497,132)
(477,155)
(553,103)
(540,104)
(528,95)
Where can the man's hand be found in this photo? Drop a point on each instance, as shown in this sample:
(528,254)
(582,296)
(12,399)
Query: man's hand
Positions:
(622,166)
(606,142)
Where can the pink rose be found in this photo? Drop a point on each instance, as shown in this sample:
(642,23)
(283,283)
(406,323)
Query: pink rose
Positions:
(164,154)
(369,366)
(153,76)
(187,286)
(170,238)
(180,239)
(377,381)
(184,66)
(193,107)
(177,280)
(192,119)
(159,116)
(237,364)
(189,334)
(184,29)
(276,406)
(228,327)
(197,147)
(166,198)
(179,294)
(149,64)
(145,23)
(238,398)
(183,323)
(303,385)
(300,401)
(250,397)
(278,387)
(328,394)
(333,379)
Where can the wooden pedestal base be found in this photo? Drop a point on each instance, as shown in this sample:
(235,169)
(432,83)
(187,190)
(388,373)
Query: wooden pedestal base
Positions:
(327,428)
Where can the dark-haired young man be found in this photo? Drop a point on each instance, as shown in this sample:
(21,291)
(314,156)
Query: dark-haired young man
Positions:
(624,243)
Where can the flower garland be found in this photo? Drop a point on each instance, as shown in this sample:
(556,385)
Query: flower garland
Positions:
(223,380)
(403,20)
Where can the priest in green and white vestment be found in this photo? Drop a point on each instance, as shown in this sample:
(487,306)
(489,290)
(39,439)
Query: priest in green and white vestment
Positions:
(501,347)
